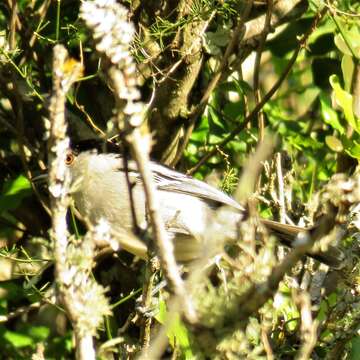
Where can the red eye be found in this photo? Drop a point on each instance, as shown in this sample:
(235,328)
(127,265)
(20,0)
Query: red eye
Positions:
(69,158)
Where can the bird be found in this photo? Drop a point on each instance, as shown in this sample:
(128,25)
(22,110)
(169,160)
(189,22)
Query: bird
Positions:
(108,186)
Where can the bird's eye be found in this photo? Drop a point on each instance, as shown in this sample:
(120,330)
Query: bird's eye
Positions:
(69,158)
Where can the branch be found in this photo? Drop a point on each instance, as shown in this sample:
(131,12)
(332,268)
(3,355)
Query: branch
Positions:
(65,72)
(259,51)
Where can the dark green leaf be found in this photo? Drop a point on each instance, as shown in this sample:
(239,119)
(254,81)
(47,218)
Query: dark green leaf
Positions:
(14,191)
(355,348)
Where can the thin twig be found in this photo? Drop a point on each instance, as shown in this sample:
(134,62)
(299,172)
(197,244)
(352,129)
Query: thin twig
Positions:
(160,342)
(13,21)
(257,93)
(259,294)
(266,343)
(40,13)
(338,11)
(20,311)
(308,326)
(259,51)
(146,304)
(281,189)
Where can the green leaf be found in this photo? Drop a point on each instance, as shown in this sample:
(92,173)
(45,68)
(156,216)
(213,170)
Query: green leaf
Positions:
(315,5)
(214,41)
(332,299)
(214,139)
(39,333)
(13,187)
(303,142)
(238,146)
(18,340)
(215,122)
(285,307)
(323,174)
(177,332)
(353,149)
(329,115)
(13,193)
(234,110)
(341,44)
(355,348)
(347,67)
(352,44)
(201,132)
(323,311)
(334,143)
(345,101)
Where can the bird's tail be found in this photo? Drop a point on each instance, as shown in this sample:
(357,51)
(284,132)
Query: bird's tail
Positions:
(333,256)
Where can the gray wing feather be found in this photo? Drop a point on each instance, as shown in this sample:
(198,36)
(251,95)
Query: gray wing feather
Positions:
(170,180)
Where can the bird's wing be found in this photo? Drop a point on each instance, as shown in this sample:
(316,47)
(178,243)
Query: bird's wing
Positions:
(170,180)
(167,179)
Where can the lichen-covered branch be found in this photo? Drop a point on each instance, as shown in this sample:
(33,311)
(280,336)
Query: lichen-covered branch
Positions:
(83,299)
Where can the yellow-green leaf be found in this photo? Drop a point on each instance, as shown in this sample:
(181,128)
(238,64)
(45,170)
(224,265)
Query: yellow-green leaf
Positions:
(334,143)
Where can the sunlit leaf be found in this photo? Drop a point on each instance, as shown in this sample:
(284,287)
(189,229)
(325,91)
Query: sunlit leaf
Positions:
(177,332)
(214,41)
(345,101)
(334,143)
(18,340)
(347,67)
(17,185)
(40,333)
(352,43)
(329,115)
(353,149)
